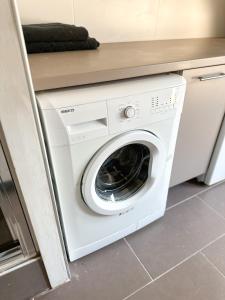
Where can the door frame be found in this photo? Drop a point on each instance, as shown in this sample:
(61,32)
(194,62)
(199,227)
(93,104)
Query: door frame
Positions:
(22,139)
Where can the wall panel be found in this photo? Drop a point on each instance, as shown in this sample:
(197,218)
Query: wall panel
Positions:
(132,20)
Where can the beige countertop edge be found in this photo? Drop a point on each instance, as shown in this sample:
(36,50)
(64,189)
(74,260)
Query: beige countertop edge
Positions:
(69,80)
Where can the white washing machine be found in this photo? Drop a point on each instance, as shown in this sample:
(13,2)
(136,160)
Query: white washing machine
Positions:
(111,149)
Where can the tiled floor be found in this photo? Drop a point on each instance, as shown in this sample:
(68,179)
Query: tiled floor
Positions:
(179,257)
(24,282)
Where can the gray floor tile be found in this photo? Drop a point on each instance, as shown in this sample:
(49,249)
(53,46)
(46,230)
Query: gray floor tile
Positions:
(215,197)
(183,191)
(216,254)
(185,229)
(195,279)
(110,274)
(24,283)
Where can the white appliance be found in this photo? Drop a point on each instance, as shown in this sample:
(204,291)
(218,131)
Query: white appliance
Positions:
(111,149)
(216,169)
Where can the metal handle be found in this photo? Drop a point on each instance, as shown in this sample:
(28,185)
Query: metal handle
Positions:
(211,77)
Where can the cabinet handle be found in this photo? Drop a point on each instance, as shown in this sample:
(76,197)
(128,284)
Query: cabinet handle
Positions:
(211,77)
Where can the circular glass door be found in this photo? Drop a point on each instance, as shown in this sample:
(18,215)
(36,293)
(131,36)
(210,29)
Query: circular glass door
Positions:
(123,173)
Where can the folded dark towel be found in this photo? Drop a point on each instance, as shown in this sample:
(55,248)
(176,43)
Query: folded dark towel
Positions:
(40,47)
(53,32)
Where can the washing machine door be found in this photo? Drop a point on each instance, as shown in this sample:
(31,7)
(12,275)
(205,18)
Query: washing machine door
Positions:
(123,171)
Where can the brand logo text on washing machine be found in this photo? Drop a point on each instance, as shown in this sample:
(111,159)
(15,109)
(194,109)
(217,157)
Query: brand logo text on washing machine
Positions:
(68,110)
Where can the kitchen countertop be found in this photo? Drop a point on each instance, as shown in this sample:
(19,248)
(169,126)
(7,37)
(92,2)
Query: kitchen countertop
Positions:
(114,61)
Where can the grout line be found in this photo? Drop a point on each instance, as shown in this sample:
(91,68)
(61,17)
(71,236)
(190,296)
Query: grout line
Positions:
(73,12)
(141,288)
(177,265)
(195,195)
(132,250)
(182,201)
(43,293)
(212,264)
(190,256)
(157,20)
(36,297)
(211,208)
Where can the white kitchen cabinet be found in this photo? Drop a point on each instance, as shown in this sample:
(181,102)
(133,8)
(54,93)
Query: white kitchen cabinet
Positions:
(203,112)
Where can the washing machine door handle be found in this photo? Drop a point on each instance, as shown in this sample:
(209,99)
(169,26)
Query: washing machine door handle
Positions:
(104,199)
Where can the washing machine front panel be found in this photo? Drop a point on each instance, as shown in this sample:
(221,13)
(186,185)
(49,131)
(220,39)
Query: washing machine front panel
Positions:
(122,172)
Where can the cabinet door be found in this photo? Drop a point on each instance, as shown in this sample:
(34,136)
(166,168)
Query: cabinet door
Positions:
(203,112)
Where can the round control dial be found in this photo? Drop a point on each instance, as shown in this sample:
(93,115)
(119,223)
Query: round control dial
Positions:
(130,112)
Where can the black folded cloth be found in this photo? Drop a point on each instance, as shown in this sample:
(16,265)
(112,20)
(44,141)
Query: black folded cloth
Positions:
(54,32)
(41,47)
(57,37)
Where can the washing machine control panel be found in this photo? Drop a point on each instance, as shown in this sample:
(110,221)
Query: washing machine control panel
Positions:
(78,123)
(136,110)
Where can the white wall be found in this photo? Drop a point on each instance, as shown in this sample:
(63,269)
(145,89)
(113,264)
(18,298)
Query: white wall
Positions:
(131,20)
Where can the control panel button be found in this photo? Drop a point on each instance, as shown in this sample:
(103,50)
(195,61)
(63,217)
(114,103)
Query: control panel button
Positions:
(129,112)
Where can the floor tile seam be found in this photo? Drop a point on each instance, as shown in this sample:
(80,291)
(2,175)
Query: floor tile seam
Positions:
(195,195)
(48,291)
(209,187)
(212,242)
(138,259)
(190,256)
(161,275)
(175,266)
(211,208)
(136,291)
(212,264)
(43,293)
(180,202)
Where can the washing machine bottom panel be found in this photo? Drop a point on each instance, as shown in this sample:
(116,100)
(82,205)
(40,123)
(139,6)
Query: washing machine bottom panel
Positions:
(82,251)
